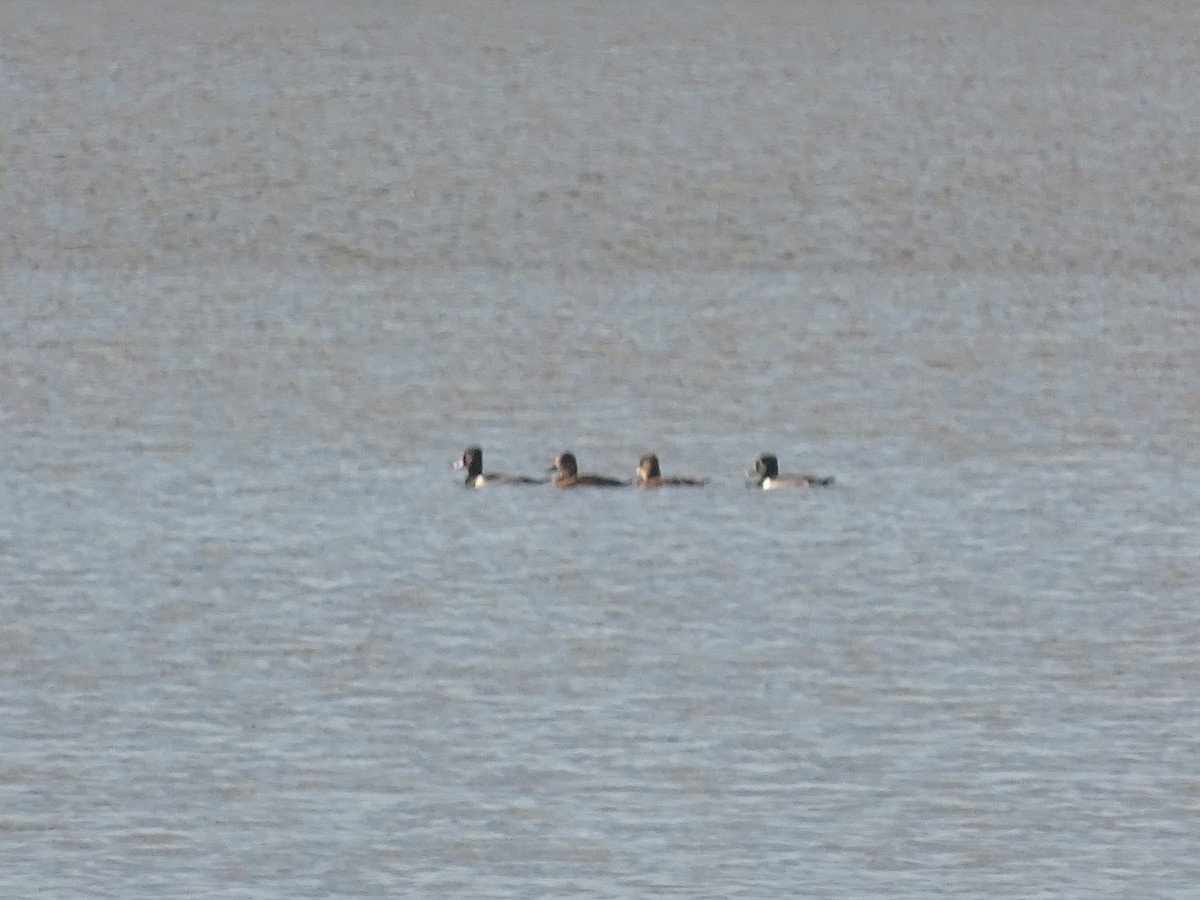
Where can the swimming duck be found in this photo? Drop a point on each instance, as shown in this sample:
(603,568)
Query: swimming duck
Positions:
(767,469)
(650,475)
(568,476)
(472,461)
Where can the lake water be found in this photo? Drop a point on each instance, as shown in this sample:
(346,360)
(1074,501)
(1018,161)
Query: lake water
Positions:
(266,270)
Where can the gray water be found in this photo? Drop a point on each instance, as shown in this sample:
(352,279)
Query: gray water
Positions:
(267,269)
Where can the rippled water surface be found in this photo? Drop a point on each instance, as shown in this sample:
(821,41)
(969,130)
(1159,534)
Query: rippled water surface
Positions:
(267,269)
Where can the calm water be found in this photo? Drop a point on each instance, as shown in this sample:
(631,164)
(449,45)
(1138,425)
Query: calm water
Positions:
(266,270)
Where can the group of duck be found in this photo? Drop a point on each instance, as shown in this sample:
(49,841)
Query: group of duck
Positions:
(649,474)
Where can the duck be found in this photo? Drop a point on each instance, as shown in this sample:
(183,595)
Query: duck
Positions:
(567,474)
(649,475)
(472,461)
(767,469)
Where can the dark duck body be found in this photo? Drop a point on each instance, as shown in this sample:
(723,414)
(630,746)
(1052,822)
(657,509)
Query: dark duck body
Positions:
(567,475)
(649,475)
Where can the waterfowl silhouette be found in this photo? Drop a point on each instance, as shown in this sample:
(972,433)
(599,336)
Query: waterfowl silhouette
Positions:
(568,476)
(472,461)
(649,475)
(767,469)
